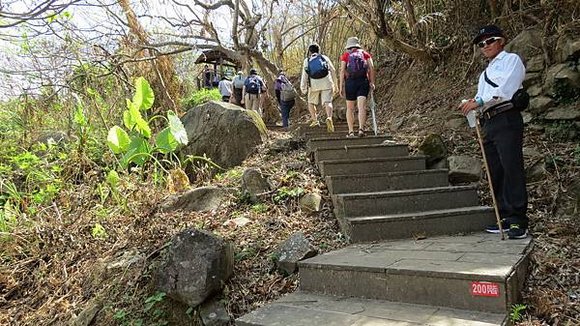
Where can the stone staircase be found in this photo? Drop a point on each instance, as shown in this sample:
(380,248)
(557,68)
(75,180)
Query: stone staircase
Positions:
(418,256)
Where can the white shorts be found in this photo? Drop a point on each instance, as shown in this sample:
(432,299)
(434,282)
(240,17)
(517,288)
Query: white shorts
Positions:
(316,97)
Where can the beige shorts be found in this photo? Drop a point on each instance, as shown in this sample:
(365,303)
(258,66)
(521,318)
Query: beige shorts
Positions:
(316,97)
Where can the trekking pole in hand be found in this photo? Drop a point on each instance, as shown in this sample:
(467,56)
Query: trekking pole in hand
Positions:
(372,106)
(488,174)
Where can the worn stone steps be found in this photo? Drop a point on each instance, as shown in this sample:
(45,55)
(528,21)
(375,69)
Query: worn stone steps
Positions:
(371,165)
(360,151)
(417,224)
(341,140)
(340,184)
(476,272)
(404,201)
(309,309)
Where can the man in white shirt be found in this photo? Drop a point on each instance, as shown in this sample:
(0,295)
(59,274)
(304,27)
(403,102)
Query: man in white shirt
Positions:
(319,80)
(225,88)
(503,129)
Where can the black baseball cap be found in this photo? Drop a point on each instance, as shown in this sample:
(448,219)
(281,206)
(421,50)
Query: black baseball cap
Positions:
(488,31)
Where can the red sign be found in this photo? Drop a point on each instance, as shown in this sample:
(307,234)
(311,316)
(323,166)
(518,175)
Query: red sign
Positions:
(484,289)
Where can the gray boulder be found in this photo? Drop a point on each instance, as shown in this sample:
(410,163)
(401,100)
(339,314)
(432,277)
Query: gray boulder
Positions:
(254,183)
(527,44)
(540,104)
(464,169)
(198,199)
(567,48)
(563,113)
(562,79)
(311,202)
(535,64)
(434,147)
(213,313)
(52,138)
(293,250)
(536,171)
(224,132)
(196,265)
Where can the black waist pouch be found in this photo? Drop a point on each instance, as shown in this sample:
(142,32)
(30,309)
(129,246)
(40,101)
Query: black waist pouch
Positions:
(521,99)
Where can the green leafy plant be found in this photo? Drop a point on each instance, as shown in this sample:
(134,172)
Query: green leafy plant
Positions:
(134,145)
(260,208)
(517,311)
(200,97)
(98,231)
(561,131)
(284,193)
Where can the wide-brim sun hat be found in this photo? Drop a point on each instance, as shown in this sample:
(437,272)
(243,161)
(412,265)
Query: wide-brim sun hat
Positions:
(240,72)
(352,42)
(488,31)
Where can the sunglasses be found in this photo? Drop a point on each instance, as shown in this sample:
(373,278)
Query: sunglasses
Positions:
(488,41)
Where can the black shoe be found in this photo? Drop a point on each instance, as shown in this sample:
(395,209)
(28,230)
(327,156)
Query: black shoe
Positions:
(493,228)
(516,232)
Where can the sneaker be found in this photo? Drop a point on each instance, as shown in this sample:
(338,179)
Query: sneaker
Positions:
(361,133)
(314,123)
(515,232)
(493,228)
(329,125)
(350,134)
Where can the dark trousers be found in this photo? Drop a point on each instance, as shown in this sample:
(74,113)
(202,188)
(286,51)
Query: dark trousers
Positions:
(285,108)
(503,141)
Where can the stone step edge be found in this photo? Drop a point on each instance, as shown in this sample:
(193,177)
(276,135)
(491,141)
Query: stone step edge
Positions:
(415,272)
(403,192)
(295,299)
(417,216)
(347,147)
(385,174)
(376,159)
(323,139)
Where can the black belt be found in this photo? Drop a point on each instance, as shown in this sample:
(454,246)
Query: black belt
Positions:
(497,109)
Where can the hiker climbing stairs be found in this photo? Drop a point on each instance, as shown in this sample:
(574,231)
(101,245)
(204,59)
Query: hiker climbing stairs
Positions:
(417,253)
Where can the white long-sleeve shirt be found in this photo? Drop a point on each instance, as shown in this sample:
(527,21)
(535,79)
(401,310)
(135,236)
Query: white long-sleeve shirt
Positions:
(508,72)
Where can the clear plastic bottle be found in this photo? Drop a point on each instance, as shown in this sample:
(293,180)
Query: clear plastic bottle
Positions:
(471,116)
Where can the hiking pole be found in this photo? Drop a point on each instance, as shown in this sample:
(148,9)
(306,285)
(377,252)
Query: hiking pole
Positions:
(488,174)
(372,105)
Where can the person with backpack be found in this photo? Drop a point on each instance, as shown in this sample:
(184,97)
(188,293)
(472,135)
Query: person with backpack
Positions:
(252,91)
(285,94)
(357,80)
(319,82)
(503,128)
(238,86)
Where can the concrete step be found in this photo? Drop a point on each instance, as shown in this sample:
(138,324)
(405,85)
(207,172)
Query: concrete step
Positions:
(371,165)
(309,309)
(476,272)
(341,140)
(302,130)
(417,224)
(360,151)
(370,182)
(404,201)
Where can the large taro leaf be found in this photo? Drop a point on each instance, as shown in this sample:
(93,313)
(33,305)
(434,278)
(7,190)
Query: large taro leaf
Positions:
(140,124)
(165,141)
(118,140)
(177,129)
(138,152)
(144,96)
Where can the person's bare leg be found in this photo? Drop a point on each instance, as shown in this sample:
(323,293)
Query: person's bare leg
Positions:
(328,107)
(361,102)
(312,110)
(350,115)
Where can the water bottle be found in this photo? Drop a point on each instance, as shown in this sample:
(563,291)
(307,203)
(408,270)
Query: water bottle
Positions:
(471,116)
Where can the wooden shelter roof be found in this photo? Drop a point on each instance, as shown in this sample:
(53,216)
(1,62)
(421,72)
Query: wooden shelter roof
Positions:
(216,57)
